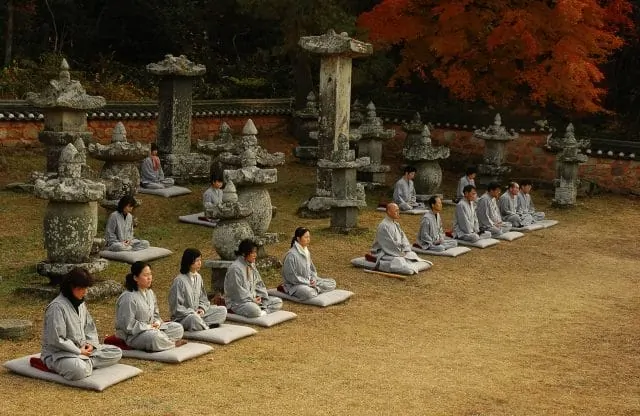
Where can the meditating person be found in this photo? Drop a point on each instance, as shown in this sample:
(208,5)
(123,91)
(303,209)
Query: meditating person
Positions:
(469,178)
(431,235)
(404,193)
(509,209)
(188,300)
(525,204)
(138,321)
(212,197)
(465,221)
(299,274)
(70,345)
(119,230)
(488,212)
(151,173)
(244,291)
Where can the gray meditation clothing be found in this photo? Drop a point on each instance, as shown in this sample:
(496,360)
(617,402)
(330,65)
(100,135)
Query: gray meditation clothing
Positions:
(404,194)
(211,198)
(509,211)
(489,216)
(151,178)
(431,232)
(464,181)
(525,205)
(65,332)
(120,229)
(465,221)
(186,295)
(298,272)
(242,284)
(136,311)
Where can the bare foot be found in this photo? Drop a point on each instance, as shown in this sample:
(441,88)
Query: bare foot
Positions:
(181,342)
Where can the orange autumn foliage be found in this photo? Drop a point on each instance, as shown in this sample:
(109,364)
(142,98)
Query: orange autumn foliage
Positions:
(504,51)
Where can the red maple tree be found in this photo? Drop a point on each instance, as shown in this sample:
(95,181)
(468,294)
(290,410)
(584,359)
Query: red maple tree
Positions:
(503,51)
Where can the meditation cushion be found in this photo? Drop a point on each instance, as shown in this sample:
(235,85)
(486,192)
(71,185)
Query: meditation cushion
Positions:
(174,355)
(224,334)
(531,227)
(266,321)
(99,380)
(364,263)
(547,223)
(166,192)
(452,252)
(323,299)
(131,257)
(484,243)
(198,219)
(510,236)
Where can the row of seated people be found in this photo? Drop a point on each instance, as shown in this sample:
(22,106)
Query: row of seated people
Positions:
(70,345)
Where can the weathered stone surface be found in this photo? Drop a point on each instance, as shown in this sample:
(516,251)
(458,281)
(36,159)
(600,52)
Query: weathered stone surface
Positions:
(495,138)
(227,236)
(55,271)
(185,168)
(179,66)
(332,43)
(103,289)
(305,123)
(373,135)
(15,329)
(567,161)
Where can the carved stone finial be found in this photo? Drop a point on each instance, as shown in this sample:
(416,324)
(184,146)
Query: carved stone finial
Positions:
(497,121)
(225,128)
(65,76)
(570,129)
(229,193)
(70,163)
(119,133)
(249,129)
(416,118)
(371,110)
(176,66)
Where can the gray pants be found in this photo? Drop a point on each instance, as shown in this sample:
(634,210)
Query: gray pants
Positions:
(253,310)
(77,368)
(165,183)
(134,245)
(496,231)
(304,292)
(446,244)
(157,339)
(215,315)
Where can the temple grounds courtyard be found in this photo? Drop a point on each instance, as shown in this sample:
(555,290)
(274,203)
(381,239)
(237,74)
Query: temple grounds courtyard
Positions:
(547,324)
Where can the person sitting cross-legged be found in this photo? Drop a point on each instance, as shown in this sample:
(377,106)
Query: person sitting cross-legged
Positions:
(465,220)
(509,209)
(298,271)
(489,214)
(151,173)
(244,291)
(212,197)
(431,235)
(525,204)
(119,229)
(469,178)
(404,193)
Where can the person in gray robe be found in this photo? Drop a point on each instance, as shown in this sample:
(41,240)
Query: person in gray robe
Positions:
(151,173)
(465,221)
(488,212)
(509,210)
(138,321)
(391,247)
(404,193)
(70,345)
(244,291)
(469,178)
(525,204)
(299,274)
(212,197)
(118,233)
(188,300)
(431,234)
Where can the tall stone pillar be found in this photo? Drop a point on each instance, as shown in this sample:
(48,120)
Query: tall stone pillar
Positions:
(567,160)
(336,54)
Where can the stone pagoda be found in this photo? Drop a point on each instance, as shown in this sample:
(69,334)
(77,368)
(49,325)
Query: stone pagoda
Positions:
(347,195)
(71,218)
(495,140)
(306,131)
(120,172)
(336,54)
(567,160)
(174,119)
(420,153)
(64,103)
(373,135)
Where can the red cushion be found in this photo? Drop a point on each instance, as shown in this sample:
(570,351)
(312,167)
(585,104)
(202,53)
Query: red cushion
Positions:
(114,340)
(281,289)
(416,245)
(370,257)
(448,233)
(36,362)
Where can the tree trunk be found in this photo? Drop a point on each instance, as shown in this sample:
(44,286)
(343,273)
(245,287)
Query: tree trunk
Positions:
(8,34)
(302,77)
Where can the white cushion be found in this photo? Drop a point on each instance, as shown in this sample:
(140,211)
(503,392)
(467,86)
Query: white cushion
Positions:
(323,299)
(166,192)
(547,223)
(452,252)
(100,379)
(417,211)
(266,321)
(510,236)
(174,355)
(131,257)
(224,334)
(362,262)
(484,243)
(531,227)
(194,219)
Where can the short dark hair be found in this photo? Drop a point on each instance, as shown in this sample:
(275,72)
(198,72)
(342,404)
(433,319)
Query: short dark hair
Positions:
(77,277)
(471,170)
(493,186)
(526,182)
(136,268)
(154,147)
(299,232)
(468,188)
(410,168)
(246,247)
(432,201)
(188,258)
(216,177)
(512,184)
(125,201)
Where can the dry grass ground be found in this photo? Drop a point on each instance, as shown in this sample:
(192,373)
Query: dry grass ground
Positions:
(548,324)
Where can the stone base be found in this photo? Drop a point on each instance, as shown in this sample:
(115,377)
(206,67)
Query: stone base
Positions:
(218,271)
(100,290)
(15,329)
(368,177)
(344,219)
(55,271)
(187,168)
(316,207)
(371,186)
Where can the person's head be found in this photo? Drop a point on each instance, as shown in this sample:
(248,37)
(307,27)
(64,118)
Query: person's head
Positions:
(435,203)
(126,204)
(76,283)
(469,193)
(494,189)
(154,149)
(410,172)
(247,249)
(393,210)
(471,172)
(216,181)
(140,277)
(302,236)
(191,261)
(514,188)
(525,186)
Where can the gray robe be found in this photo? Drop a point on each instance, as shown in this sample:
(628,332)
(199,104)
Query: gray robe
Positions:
(465,221)
(392,249)
(151,178)
(431,235)
(242,284)
(509,211)
(65,332)
(136,311)
(489,216)
(525,206)
(298,273)
(186,296)
(211,198)
(404,194)
(464,181)
(120,229)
